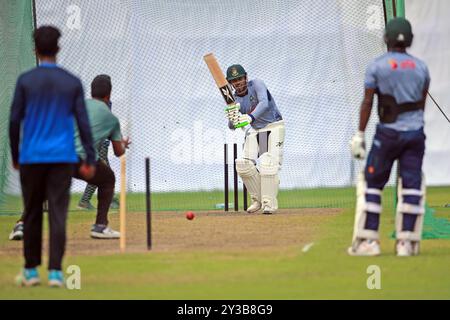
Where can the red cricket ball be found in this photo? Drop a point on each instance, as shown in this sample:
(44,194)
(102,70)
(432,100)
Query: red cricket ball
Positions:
(190,215)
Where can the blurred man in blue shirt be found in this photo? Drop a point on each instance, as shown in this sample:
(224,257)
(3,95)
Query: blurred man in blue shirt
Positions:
(46,101)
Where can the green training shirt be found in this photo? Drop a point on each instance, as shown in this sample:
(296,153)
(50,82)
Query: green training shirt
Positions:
(104,125)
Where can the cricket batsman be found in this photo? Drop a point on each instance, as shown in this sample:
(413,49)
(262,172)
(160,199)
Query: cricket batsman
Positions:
(263,142)
(401,82)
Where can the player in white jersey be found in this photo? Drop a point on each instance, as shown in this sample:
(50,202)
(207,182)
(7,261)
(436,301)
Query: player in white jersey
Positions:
(263,142)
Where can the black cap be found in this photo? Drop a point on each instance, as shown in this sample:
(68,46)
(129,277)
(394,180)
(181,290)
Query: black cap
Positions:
(398,33)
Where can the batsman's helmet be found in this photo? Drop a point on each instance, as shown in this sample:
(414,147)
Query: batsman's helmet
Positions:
(235,71)
(398,33)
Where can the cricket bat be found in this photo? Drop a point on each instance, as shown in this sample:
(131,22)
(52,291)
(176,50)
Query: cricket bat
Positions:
(221,82)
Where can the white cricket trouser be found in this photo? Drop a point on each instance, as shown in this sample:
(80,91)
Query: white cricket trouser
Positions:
(268,139)
(265,145)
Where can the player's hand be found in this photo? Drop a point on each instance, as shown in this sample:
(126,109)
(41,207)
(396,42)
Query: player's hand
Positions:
(87,171)
(243,120)
(232,113)
(16,165)
(358,145)
(126,142)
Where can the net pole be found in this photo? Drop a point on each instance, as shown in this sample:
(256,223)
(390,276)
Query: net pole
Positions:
(148,204)
(33,3)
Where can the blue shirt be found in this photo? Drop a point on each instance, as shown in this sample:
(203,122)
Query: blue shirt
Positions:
(46,101)
(403,77)
(259,103)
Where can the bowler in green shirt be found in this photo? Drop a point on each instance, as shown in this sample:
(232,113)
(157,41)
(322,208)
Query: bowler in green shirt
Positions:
(104,126)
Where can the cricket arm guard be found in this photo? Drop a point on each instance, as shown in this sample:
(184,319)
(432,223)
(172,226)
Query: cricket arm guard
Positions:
(367,201)
(410,202)
(269,167)
(250,176)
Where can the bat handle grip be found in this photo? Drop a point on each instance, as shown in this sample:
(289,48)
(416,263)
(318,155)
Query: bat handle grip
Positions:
(242,124)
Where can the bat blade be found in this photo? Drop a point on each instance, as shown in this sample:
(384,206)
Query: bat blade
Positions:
(219,78)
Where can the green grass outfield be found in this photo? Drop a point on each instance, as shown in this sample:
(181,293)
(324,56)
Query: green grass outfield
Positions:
(324,272)
(207,200)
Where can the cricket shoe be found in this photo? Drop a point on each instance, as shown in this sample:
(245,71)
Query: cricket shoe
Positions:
(28,278)
(406,248)
(85,205)
(17,233)
(101,231)
(55,279)
(255,206)
(365,247)
(268,210)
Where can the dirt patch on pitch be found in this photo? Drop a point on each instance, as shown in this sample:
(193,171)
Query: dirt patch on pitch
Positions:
(214,230)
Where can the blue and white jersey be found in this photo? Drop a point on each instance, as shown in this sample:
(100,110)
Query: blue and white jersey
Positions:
(46,101)
(259,103)
(403,77)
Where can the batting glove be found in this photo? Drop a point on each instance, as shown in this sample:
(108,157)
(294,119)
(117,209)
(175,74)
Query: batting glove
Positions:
(358,145)
(232,113)
(244,120)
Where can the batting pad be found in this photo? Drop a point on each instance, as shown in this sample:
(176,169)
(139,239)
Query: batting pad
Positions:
(362,206)
(402,208)
(250,176)
(269,180)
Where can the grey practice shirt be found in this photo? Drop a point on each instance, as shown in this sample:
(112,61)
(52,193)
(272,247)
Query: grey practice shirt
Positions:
(260,104)
(403,77)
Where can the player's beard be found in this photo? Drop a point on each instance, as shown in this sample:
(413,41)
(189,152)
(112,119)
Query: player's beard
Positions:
(241,87)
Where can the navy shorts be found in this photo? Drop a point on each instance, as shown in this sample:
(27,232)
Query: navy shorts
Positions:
(408,147)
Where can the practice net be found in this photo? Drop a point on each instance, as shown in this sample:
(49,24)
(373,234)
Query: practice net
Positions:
(311,55)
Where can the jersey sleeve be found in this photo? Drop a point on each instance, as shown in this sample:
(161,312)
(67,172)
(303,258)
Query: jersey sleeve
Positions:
(116,134)
(84,127)
(370,80)
(15,120)
(263,99)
